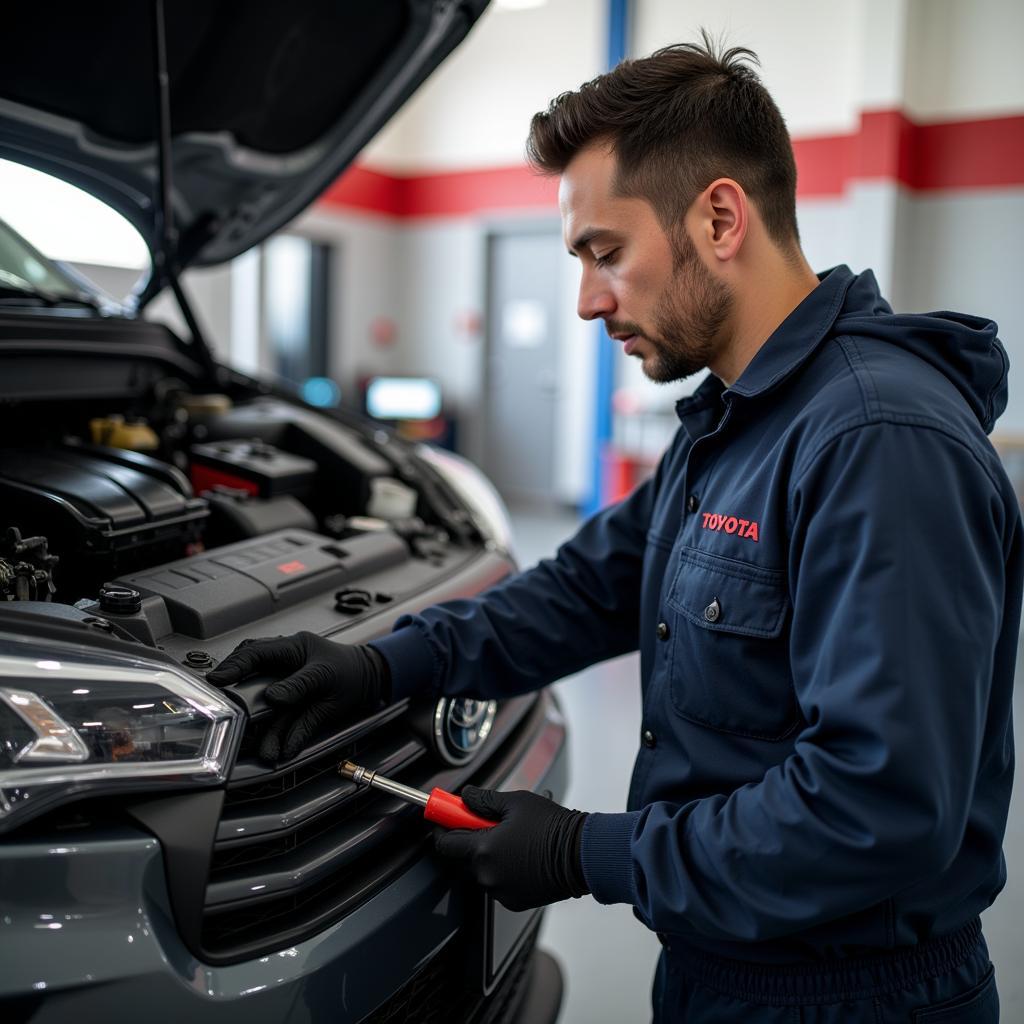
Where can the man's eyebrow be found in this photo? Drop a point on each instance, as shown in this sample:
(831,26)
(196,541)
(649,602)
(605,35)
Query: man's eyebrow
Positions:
(586,237)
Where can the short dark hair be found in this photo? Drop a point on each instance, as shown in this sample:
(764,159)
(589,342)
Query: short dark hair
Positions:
(676,120)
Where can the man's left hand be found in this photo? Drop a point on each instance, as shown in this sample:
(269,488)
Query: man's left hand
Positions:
(531,858)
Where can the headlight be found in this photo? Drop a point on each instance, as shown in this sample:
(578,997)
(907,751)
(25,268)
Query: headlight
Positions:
(476,490)
(73,722)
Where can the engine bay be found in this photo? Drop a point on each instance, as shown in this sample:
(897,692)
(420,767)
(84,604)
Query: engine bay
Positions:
(209,514)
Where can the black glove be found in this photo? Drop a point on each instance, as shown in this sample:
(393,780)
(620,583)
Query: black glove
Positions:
(530,859)
(324,683)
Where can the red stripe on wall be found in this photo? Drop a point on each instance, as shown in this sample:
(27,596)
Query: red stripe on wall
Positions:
(970,154)
(443,195)
(359,188)
(499,188)
(821,164)
(884,147)
(982,153)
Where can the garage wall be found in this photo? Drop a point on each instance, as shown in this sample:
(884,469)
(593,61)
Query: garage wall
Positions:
(848,77)
(209,292)
(963,251)
(470,116)
(908,125)
(474,110)
(367,302)
(816,86)
(963,59)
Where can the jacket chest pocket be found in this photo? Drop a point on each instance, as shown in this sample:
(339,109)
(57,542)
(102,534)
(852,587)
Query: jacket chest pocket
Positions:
(729,662)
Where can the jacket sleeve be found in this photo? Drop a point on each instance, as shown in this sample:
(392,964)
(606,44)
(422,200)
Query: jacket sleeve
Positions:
(899,535)
(565,613)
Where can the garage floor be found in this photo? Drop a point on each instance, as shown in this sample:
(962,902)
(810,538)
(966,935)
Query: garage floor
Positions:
(608,957)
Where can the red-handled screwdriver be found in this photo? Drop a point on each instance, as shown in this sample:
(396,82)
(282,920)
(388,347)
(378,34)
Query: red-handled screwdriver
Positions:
(438,805)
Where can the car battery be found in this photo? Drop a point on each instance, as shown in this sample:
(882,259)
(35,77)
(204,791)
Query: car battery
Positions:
(250,465)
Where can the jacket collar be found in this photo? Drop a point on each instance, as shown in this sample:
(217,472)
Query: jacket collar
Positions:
(789,345)
(796,338)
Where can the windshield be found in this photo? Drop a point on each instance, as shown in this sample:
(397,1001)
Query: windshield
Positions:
(24,269)
(59,242)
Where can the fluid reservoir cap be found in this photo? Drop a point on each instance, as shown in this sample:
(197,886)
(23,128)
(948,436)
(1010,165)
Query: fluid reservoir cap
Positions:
(117,600)
(352,600)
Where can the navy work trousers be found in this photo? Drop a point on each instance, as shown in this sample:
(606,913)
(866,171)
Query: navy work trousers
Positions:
(946,981)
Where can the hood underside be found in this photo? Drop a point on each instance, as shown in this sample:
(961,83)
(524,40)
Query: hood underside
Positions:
(269,102)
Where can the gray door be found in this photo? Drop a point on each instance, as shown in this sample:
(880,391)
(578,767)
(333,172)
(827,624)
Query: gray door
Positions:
(522,364)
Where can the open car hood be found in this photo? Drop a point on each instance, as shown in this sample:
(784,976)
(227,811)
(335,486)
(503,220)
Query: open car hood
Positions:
(269,101)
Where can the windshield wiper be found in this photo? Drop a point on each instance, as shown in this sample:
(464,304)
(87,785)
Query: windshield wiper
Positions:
(13,296)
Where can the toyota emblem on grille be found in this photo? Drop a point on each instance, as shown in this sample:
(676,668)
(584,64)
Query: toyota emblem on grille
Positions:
(466,713)
(461,725)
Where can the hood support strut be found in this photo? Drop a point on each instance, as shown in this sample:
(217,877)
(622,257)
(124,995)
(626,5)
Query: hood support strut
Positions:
(165,259)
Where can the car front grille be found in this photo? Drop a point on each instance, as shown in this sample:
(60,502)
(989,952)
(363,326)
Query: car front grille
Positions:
(298,848)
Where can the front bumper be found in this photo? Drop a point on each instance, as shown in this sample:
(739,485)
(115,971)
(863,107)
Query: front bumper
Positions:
(87,931)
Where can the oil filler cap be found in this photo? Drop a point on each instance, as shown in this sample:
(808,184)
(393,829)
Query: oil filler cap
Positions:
(352,601)
(198,659)
(116,600)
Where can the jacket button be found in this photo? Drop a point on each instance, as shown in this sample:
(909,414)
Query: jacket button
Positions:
(713,611)
(649,739)
(662,631)
(692,503)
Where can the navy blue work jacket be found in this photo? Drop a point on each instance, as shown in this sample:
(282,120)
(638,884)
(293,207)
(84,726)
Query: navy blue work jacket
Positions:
(823,578)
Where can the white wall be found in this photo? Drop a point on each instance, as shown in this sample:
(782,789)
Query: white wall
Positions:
(475,109)
(817,87)
(209,293)
(825,64)
(963,58)
(576,408)
(964,252)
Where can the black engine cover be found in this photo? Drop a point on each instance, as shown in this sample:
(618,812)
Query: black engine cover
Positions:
(103,510)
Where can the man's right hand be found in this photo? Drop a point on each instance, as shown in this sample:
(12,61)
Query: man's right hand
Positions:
(322,684)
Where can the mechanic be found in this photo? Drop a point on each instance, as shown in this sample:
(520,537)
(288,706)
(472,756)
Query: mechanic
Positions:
(823,578)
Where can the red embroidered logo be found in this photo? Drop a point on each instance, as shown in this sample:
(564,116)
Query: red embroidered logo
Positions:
(745,528)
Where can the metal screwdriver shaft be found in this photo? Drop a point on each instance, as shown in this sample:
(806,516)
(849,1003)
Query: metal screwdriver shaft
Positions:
(438,805)
(364,777)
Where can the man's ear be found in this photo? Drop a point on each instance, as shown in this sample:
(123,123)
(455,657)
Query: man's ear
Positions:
(723,212)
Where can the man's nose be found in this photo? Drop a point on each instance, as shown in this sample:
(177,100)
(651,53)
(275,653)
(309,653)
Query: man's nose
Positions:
(595,299)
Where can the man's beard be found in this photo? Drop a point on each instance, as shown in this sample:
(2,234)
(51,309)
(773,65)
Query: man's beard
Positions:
(688,318)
